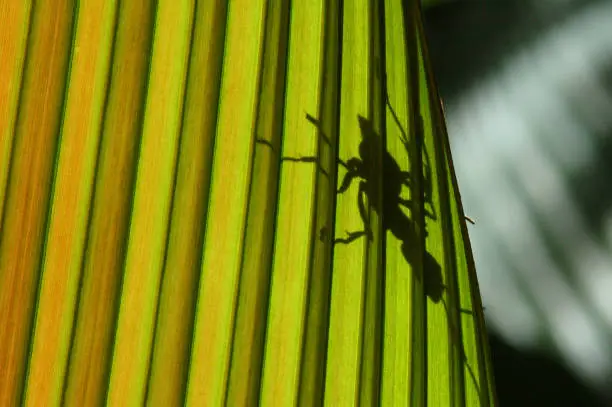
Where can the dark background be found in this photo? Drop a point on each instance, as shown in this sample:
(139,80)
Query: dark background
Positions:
(527,87)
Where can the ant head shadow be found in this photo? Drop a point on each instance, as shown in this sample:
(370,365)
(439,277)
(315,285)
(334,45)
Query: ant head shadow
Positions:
(371,143)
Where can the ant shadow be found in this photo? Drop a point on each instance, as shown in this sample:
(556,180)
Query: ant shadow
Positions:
(371,175)
(367,170)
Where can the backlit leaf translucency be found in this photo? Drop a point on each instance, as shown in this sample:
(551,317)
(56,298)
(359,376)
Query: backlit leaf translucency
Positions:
(239,202)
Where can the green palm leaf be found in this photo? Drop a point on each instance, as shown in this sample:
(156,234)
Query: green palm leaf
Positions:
(172,230)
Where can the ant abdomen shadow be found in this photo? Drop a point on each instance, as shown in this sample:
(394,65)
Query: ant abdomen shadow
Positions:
(432,278)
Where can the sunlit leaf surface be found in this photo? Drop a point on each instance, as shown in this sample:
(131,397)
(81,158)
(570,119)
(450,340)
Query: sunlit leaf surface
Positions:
(230,203)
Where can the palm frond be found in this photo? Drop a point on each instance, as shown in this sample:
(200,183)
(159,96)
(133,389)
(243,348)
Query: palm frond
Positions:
(231,203)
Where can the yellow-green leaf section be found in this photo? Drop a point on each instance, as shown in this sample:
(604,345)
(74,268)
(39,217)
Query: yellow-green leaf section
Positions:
(230,203)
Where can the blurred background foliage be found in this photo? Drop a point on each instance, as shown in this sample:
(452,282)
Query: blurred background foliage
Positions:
(527,88)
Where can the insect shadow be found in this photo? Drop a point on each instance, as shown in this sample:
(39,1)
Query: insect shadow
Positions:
(367,169)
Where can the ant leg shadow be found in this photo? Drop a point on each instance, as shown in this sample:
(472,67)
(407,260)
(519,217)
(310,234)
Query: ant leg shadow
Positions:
(266,142)
(307,160)
(430,215)
(407,203)
(407,179)
(362,209)
(352,171)
(317,124)
(352,236)
(469,311)
(346,181)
